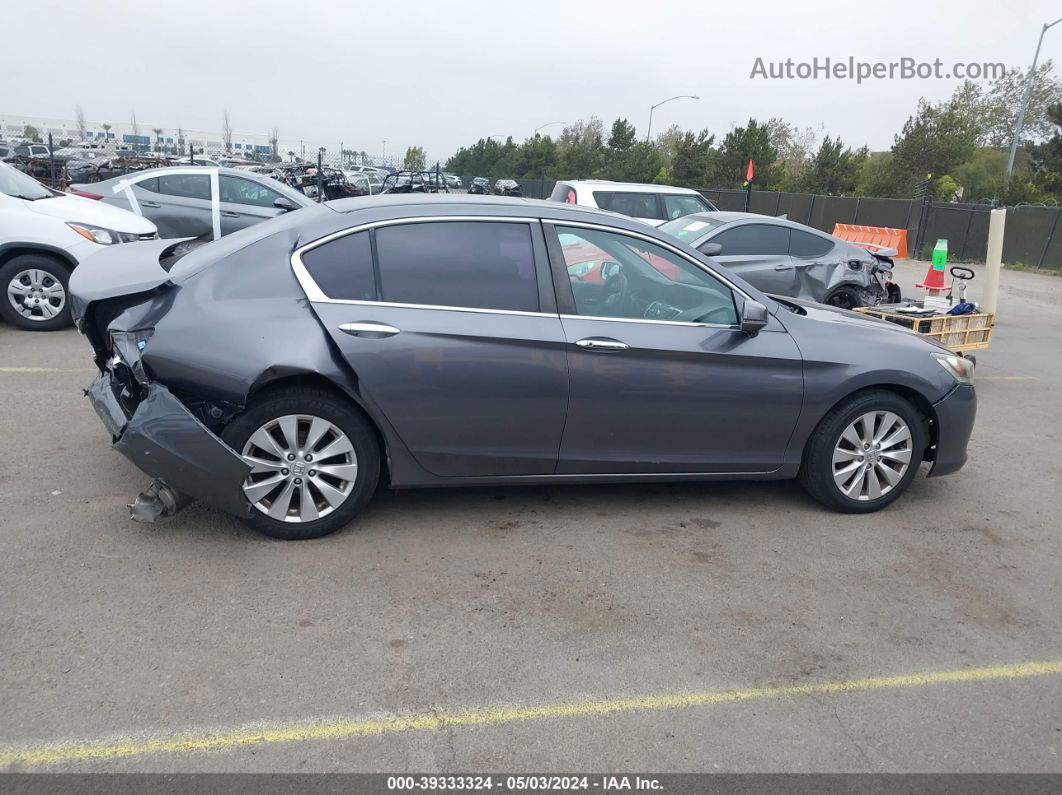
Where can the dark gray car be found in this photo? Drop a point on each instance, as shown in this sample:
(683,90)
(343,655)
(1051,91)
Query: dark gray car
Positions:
(281,372)
(180,200)
(783,257)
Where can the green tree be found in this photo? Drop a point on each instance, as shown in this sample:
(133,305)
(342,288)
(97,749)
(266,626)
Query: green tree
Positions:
(879,177)
(622,137)
(730,160)
(581,149)
(414,160)
(1047,157)
(536,158)
(32,133)
(934,142)
(835,170)
(692,159)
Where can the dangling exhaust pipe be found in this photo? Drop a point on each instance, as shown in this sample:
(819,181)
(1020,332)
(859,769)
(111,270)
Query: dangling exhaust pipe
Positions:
(157,500)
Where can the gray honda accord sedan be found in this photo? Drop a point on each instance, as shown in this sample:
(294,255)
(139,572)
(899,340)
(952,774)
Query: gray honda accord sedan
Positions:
(281,372)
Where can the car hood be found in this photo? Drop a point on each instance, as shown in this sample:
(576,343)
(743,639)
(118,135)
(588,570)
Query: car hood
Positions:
(845,317)
(93,212)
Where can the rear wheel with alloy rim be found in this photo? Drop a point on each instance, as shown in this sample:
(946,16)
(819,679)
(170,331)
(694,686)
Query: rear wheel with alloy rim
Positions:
(35,292)
(865,452)
(314,462)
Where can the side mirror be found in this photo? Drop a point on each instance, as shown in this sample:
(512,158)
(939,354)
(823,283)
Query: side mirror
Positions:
(753,317)
(285,204)
(711,249)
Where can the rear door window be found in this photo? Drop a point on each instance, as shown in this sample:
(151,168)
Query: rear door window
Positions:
(238,190)
(753,239)
(475,264)
(342,267)
(188,186)
(636,205)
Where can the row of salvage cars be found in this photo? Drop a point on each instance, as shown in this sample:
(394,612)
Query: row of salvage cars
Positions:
(45,233)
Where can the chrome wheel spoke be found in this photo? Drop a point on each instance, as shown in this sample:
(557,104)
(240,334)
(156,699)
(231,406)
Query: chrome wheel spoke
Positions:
(338,446)
(318,428)
(899,456)
(289,426)
(261,465)
(841,455)
(901,434)
(282,502)
(873,484)
(347,472)
(259,489)
(263,440)
(307,505)
(18,288)
(892,477)
(332,495)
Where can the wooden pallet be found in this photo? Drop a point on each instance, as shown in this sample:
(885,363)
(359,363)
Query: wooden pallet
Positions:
(958,332)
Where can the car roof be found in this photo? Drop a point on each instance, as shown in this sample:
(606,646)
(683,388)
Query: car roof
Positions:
(627,187)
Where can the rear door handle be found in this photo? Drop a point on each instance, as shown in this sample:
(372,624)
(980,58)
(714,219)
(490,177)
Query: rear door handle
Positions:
(603,344)
(783,266)
(369,328)
(154,205)
(230,214)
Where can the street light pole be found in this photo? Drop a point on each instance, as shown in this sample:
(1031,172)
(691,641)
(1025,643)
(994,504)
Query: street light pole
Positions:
(547,124)
(1020,122)
(383,152)
(649,129)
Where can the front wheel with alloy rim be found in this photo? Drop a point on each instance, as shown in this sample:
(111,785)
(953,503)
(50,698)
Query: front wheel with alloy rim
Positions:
(35,292)
(314,462)
(865,452)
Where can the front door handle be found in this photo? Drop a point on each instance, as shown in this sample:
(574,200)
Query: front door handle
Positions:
(369,329)
(603,344)
(153,205)
(230,214)
(783,266)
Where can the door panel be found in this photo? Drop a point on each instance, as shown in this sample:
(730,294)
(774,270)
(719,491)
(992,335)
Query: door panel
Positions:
(678,398)
(771,273)
(469,393)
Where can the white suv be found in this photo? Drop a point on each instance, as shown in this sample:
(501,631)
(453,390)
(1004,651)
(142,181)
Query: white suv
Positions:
(45,234)
(653,204)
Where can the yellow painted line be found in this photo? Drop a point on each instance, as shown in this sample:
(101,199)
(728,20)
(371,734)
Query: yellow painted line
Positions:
(344,728)
(47,370)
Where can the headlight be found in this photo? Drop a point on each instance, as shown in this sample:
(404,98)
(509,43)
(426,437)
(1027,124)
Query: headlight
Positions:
(961,368)
(107,237)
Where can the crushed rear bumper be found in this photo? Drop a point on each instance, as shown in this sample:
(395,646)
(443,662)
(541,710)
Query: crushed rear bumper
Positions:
(167,442)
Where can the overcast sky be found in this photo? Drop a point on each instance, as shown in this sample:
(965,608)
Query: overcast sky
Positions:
(443,74)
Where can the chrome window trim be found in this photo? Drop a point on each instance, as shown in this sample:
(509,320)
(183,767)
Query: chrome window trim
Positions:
(648,239)
(649,320)
(316,295)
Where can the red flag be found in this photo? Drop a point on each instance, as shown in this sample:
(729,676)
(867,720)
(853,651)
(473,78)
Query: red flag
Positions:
(750,171)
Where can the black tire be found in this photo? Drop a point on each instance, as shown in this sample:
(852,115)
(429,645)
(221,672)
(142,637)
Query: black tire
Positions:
(336,410)
(816,472)
(56,270)
(844,297)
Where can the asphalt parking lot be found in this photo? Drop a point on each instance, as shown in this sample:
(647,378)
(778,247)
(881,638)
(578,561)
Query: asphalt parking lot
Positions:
(660,627)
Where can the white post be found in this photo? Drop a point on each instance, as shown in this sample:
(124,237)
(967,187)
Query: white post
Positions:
(994,260)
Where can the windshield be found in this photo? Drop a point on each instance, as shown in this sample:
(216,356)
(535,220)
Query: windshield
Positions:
(14,183)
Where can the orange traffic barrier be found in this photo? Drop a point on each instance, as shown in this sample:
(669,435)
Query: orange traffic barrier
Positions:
(874,237)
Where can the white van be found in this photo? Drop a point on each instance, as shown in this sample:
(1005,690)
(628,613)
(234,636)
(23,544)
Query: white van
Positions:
(653,204)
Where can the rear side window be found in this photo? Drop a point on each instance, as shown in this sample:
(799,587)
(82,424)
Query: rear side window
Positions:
(637,205)
(677,205)
(753,239)
(342,267)
(476,264)
(188,186)
(805,244)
